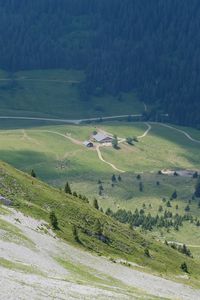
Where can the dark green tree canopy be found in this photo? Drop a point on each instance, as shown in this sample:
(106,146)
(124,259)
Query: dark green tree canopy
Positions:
(151,47)
(197,188)
(68,188)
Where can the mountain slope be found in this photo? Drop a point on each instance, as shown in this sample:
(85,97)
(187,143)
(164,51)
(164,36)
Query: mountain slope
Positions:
(33,257)
(105,236)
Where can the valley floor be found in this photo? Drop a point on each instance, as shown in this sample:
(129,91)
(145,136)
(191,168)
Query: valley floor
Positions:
(33,261)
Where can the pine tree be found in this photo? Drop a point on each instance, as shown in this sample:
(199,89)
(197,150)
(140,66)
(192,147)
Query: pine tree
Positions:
(33,174)
(113,178)
(119,178)
(115,142)
(176,174)
(95,203)
(129,141)
(146,252)
(174,195)
(184,267)
(195,175)
(53,220)
(187,208)
(197,188)
(75,234)
(168,204)
(141,188)
(98,227)
(67,188)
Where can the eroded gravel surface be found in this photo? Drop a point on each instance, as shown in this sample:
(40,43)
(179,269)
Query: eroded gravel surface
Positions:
(55,284)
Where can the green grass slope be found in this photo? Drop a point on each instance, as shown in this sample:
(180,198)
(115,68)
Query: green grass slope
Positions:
(57,93)
(37,199)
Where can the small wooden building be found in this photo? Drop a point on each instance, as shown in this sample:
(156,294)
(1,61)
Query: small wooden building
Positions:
(88,144)
(102,138)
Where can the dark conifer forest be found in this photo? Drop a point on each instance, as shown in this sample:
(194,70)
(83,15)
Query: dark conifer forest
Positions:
(150,47)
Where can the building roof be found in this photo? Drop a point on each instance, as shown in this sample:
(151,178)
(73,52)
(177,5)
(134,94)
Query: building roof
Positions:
(101,137)
(86,143)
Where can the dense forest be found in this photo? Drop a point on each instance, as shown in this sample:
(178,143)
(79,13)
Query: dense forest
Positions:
(151,47)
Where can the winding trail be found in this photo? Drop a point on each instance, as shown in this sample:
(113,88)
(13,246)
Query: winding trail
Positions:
(106,162)
(146,132)
(97,147)
(41,119)
(39,80)
(68,121)
(121,140)
(77,142)
(181,131)
(145,107)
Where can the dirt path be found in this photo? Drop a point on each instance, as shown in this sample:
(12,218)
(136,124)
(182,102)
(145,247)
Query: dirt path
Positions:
(146,132)
(40,80)
(181,131)
(26,137)
(68,121)
(42,119)
(77,142)
(145,107)
(56,281)
(121,140)
(66,136)
(106,162)
(97,147)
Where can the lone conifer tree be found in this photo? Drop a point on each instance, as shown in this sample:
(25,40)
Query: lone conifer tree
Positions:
(95,204)
(33,174)
(174,195)
(119,178)
(146,252)
(67,188)
(98,227)
(197,188)
(141,187)
(75,234)
(53,220)
(113,178)
(115,142)
(184,267)
(195,175)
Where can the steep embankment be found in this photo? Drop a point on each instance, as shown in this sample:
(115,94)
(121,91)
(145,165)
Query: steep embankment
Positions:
(36,258)
(94,231)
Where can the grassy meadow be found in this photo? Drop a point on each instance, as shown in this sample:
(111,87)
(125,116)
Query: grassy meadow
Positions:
(56,159)
(37,199)
(57,93)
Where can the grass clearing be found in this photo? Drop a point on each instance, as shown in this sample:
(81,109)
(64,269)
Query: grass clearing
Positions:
(82,275)
(36,199)
(19,267)
(13,234)
(56,160)
(33,93)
